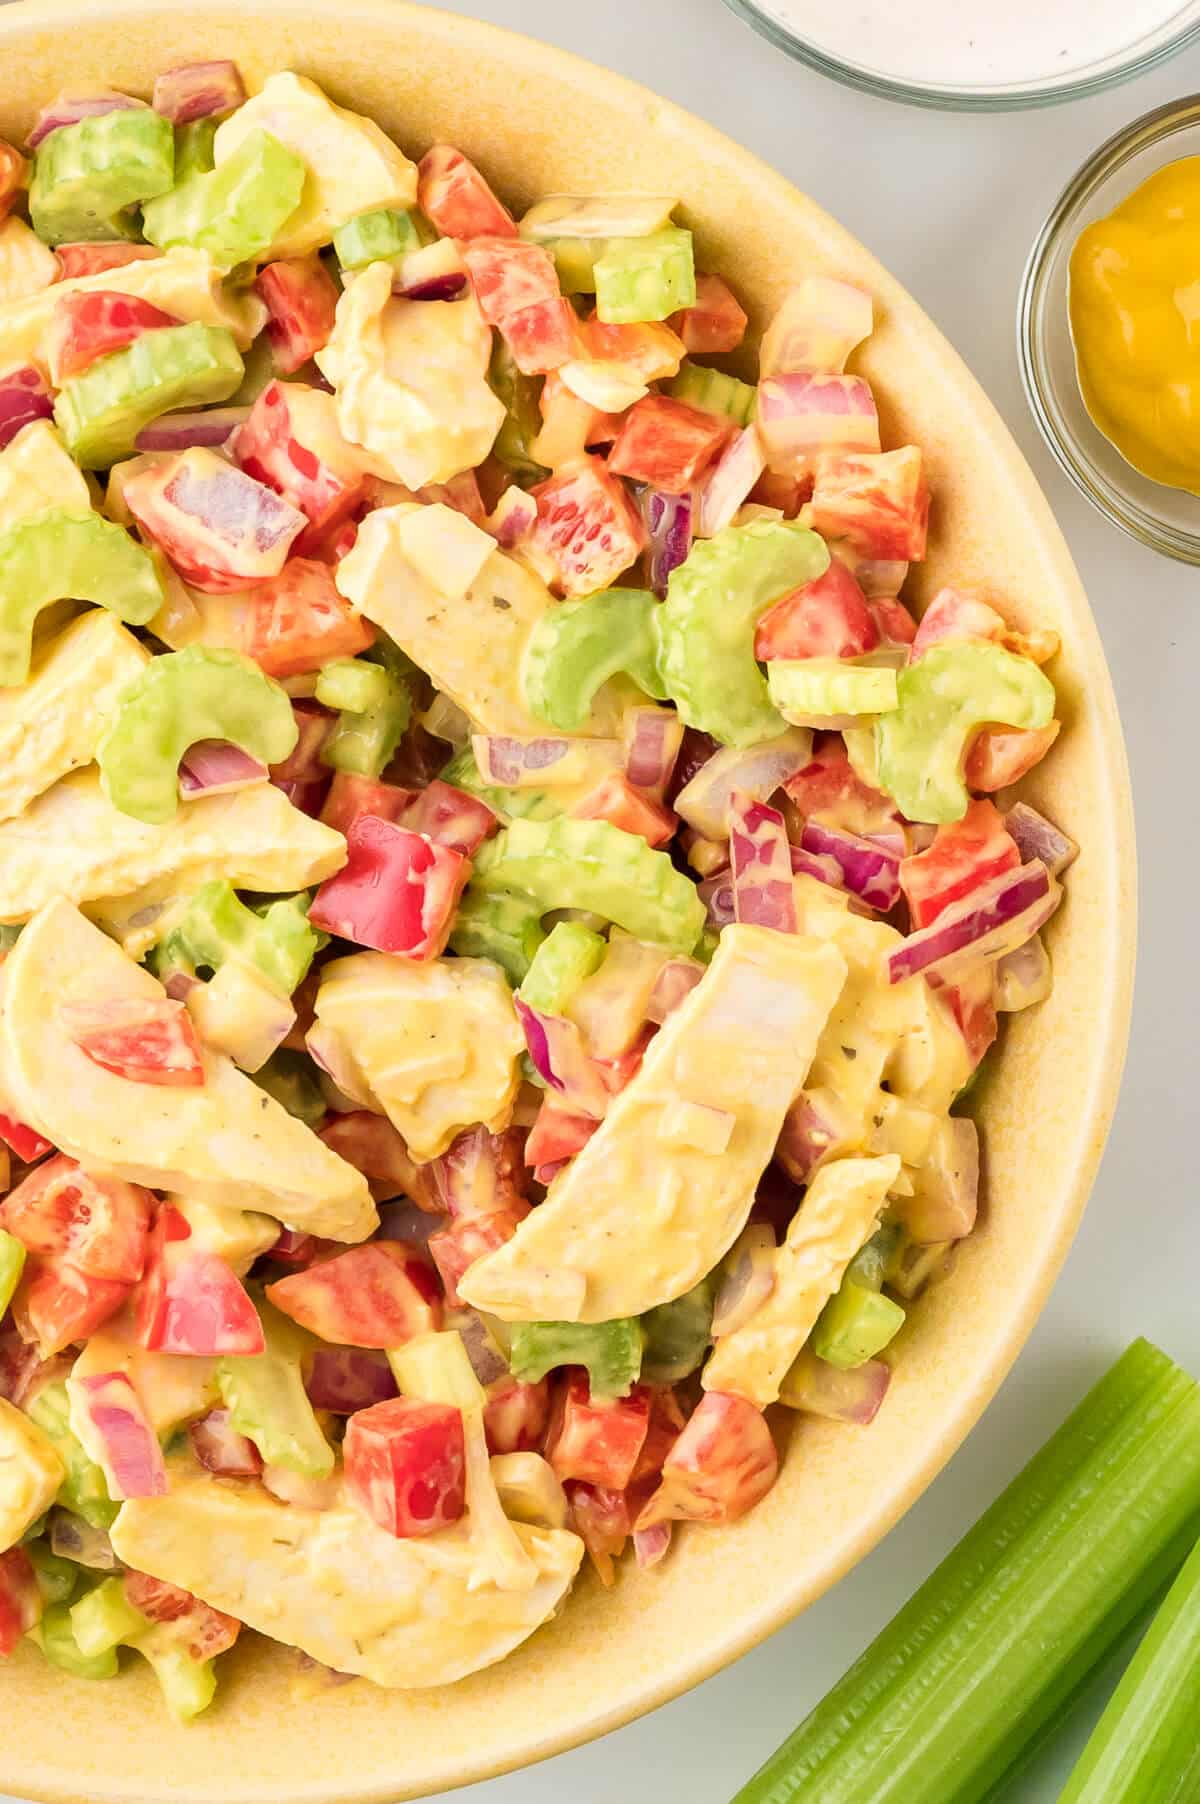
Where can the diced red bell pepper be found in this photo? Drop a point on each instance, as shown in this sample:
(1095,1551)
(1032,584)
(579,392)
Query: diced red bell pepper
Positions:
(878,501)
(647,347)
(77,260)
(827,618)
(24,1141)
(20,1599)
(1000,756)
(351,797)
(219,1447)
(295,1249)
(189,1300)
(557,1135)
(516,1415)
(451,817)
(964,855)
(291,441)
(614,799)
(13,170)
(377,1295)
(202,1631)
(830,789)
(667,1423)
(516,285)
(406,1465)
(24,397)
(958,614)
(720,1467)
(893,622)
(92,323)
(301,299)
(99,1225)
(715,322)
(297,621)
(588,528)
(973,1004)
(480,1174)
(601,1518)
(456,1249)
(396,892)
(144,1040)
(220,528)
(667,444)
(373,1146)
(57,1305)
(457,198)
(598,1440)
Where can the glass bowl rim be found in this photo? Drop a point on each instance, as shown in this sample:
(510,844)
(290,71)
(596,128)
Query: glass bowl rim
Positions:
(951,98)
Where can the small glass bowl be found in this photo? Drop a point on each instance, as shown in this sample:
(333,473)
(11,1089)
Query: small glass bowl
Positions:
(1147,52)
(1166,519)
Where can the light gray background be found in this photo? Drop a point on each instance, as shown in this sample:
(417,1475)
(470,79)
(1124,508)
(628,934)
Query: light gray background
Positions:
(951,204)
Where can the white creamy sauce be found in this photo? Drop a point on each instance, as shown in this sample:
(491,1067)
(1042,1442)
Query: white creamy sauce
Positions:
(977,43)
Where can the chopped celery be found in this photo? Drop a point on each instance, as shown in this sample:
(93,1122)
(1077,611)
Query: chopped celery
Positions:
(611,1351)
(678,1334)
(57,1578)
(87,175)
(998,1639)
(104,1618)
(291,1079)
(855,1325)
(437,1369)
(575,260)
(234,211)
(194,149)
(507,929)
(873,1261)
(523,418)
(375,706)
(188,1686)
(267,1401)
(12,1264)
(577,646)
(645,278)
(569,955)
(55,1636)
(1146,1749)
(216,925)
(101,411)
(83,1489)
(378,237)
(715,392)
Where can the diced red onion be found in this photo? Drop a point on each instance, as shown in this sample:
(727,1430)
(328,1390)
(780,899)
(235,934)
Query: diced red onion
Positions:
(71,1538)
(994,919)
(562,1061)
(1039,838)
(308,798)
(748,1280)
(1023,977)
(510,762)
(761,865)
(215,767)
(119,1434)
(801,414)
(207,426)
(820,1389)
(669,525)
(815,1127)
(24,398)
(346,1379)
(198,91)
(69,109)
(819,865)
(180,984)
(650,1545)
(513,518)
(716,893)
(870,868)
(447,287)
(946,1198)
(407,1223)
(757,770)
(653,737)
(729,482)
(303,763)
(220,1448)
(674,983)
(327,1050)
(487,1361)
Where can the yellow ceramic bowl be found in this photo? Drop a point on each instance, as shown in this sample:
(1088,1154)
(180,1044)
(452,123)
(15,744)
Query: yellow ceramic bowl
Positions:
(539,121)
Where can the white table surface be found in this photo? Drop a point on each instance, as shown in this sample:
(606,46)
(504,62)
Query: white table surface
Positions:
(951,204)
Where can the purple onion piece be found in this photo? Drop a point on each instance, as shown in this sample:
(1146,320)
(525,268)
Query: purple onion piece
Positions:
(487,1361)
(198,91)
(214,767)
(759,770)
(650,1545)
(403,1221)
(347,1379)
(24,398)
(676,981)
(995,919)
(447,287)
(716,893)
(1023,977)
(761,863)
(505,760)
(562,1061)
(210,427)
(815,1127)
(819,865)
(823,1390)
(71,1538)
(1039,838)
(69,109)
(653,740)
(870,868)
(669,523)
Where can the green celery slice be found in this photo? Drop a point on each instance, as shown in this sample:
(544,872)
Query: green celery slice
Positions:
(1146,1749)
(948,1698)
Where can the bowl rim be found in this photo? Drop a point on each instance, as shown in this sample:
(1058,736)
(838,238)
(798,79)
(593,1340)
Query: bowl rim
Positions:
(950,97)
(1035,298)
(1115,874)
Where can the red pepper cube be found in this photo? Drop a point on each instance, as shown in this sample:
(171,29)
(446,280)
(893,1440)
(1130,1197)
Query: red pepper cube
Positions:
(716,322)
(99,1224)
(396,892)
(57,1305)
(201,1630)
(721,1465)
(598,1440)
(876,500)
(296,622)
(614,799)
(380,1294)
(90,324)
(588,529)
(472,1237)
(457,198)
(292,443)
(189,1300)
(964,855)
(451,817)
(667,444)
(351,797)
(20,1599)
(406,1465)
(827,618)
(301,300)
(516,285)
(516,1415)
(144,1040)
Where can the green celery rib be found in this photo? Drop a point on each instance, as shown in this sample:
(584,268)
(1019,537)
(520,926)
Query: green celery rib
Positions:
(1146,1746)
(999,1638)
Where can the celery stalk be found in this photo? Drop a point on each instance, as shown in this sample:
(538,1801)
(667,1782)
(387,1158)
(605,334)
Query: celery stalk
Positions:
(999,1638)
(1145,1749)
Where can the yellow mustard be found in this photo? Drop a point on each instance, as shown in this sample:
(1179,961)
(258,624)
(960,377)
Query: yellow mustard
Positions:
(1135,320)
